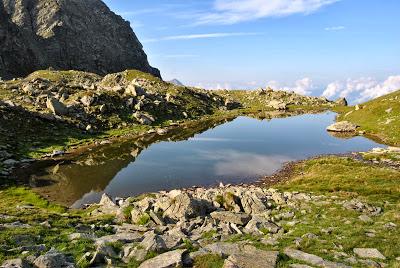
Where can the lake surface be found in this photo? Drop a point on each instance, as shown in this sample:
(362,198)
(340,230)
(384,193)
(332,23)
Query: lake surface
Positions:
(242,150)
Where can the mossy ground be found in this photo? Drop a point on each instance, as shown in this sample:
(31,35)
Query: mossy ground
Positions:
(379,117)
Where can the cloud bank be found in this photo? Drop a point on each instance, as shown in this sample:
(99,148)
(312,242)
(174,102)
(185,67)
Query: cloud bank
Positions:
(362,89)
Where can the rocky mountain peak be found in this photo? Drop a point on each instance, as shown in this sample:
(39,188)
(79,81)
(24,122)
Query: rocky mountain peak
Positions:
(67,34)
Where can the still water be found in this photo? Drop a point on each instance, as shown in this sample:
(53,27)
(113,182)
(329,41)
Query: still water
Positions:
(237,151)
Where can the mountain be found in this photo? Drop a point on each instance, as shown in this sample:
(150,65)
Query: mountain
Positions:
(66,34)
(176,82)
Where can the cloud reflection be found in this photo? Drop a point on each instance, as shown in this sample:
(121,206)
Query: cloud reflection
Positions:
(236,163)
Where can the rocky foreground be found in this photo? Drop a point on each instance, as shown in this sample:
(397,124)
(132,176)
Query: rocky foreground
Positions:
(176,228)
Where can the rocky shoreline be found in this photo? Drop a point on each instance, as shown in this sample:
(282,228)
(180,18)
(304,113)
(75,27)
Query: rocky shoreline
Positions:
(208,219)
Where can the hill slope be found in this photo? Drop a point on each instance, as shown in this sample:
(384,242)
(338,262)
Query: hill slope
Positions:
(379,117)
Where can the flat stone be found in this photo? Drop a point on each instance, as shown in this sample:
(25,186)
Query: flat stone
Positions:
(223,249)
(343,126)
(295,265)
(312,259)
(167,260)
(153,242)
(120,237)
(250,257)
(231,217)
(369,253)
(77,236)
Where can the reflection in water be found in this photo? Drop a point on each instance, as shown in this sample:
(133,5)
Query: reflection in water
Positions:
(246,165)
(241,150)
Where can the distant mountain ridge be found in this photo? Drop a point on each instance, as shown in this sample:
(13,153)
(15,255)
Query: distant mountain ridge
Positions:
(66,34)
(176,82)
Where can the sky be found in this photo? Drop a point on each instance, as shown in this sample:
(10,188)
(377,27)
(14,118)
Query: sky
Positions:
(331,48)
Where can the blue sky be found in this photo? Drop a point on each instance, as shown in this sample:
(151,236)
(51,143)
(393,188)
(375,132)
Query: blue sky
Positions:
(345,48)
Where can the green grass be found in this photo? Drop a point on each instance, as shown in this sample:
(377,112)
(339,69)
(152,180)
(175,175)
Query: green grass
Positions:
(375,119)
(144,219)
(343,179)
(208,261)
(347,177)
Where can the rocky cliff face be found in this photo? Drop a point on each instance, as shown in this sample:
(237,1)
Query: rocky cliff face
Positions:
(66,34)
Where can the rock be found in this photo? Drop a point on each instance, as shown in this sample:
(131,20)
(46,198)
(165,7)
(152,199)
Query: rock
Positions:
(252,204)
(369,253)
(341,102)
(124,237)
(312,259)
(15,263)
(135,90)
(231,104)
(295,265)
(138,254)
(52,259)
(67,36)
(359,206)
(167,260)
(183,207)
(259,225)
(250,257)
(158,220)
(57,108)
(223,249)
(77,236)
(144,119)
(343,126)
(231,217)
(87,100)
(277,105)
(153,242)
(365,218)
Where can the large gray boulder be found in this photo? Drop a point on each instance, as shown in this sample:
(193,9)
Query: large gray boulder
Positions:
(343,126)
(66,34)
(167,260)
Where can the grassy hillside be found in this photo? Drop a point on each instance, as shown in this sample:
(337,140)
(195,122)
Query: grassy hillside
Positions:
(379,117)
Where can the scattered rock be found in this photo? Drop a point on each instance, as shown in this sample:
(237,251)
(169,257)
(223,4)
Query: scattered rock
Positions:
(53,259)
(369,253)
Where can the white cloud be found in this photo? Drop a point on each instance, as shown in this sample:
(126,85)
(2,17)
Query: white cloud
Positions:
(199,36)
(362,89)
(235,11)
(302,86)
(335,28)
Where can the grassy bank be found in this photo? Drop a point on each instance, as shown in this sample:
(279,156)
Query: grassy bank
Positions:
(379,117)
(339,229)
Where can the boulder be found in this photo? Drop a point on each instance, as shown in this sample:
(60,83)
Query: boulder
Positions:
(252,204)
(312,259)
(52,259)
(15,263)
(343,126)
(259,225)
(369,253)
(341,102)
(251,257)
(167,260)
(223,249)
(153,242)
(184,206)
(143,118)
(87,100)
(57,108)
(231,217)
(277,105)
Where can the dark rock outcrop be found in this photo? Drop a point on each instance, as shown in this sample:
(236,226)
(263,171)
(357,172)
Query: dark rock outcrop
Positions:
(66,34)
